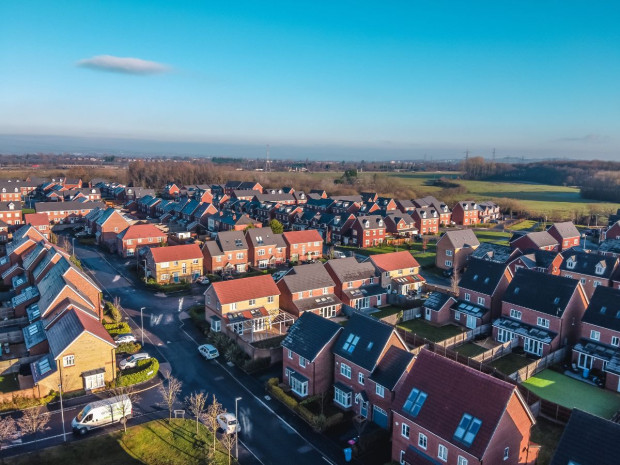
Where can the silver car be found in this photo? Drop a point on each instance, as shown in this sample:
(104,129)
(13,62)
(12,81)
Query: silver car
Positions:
(124,338)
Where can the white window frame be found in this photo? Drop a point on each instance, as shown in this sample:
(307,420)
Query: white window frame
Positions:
(290,354)
(516,314)
(342,398)
(442,453)
(467,297)
(345,370)
(462,461)
(595,335)
(481,301)
(449,253)
(302,362)
(615,341)
(360,378)
(542,322)
(422,441)
(506,453)
(448,263)
(68,361)
(380,390)
(405,430)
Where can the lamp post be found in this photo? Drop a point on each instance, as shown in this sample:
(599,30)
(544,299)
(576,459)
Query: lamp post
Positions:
(145,270)
(62,415)
(73,245)
(142,324)
(237,399)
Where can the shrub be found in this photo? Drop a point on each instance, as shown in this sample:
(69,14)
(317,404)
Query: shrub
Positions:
(128,348)
(21,403)
(114,329)
(144,370)
(113,311)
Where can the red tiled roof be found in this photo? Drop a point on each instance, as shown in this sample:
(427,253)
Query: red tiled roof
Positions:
(93,326)
(176,252)
(297,237)
(36,219)
(454,389)
(238,290)
(141,231)
(394,261)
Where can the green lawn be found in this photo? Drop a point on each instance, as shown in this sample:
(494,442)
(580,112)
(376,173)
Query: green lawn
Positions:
(430,332)
(469,349)
(498,237)
(9,383)
(153,443)
(522,225)
(510,363)
(386,311)
(547,434)
(573,393)
(424,258)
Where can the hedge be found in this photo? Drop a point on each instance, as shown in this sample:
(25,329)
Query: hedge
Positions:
(21,403)
(114,329)
(114,312)
(128,348)
(167,288)
(145,370)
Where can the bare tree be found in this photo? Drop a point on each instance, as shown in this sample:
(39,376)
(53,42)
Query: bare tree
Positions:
(213,411)
(229,441)
(34,421)
(8,428)
(196,402)
(454,282)
(125,409)
(169,392)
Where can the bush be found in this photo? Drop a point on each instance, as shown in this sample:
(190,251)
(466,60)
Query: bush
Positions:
(144,370)
(128,348)
(114,329)
(167,288)
(21,403)
(113,312)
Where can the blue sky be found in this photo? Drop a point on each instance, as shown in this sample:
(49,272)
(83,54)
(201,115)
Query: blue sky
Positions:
(390,78)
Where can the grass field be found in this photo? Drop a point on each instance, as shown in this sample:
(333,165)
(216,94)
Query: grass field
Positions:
(573,393)
(510,363)
(522,225)
(497,237)
(469,349)
(547,434)
(153,443)
(432,333)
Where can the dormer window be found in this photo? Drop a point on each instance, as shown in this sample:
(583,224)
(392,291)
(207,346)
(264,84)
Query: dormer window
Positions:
(600,269)
(570,263)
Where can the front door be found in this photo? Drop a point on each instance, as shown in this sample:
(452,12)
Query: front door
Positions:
(378,300)
(364,409)
(428,314)
(175,277)
(471,322)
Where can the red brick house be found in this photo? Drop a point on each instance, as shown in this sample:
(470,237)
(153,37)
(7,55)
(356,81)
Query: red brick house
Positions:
(72,183)
(488,211)
(307,358)
(367,231)
(309,288)
(360,347)
(11,214)
(357,284)
(437,308)
(599,344)
(445,215)
(543,261)
(542,311)
(398,271)
(265,249)
(67,212)
(400,225)
(171,190)
(465,213)
(426,220)
(454,247)
(534,240)
(107,226)
(612,232)
(10,192)
(591,269)
(227,253)
(303,245)
(40,221)
(446,412)
(566,234)
(137,236)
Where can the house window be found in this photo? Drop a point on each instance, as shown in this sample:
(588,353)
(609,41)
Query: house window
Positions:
(615,341)
(404,430)
(261,252)
(516,314)
(596,283)
(350,284)
(462,461)
(195,261)
(448,253)
(402,457)
(233,306)
(345,370)
(270,299)
(240,256)
(442,453)
(164,265)
(302,362)
(380,390)
(457,316)
(595,335)
(325,291)
(298,387)
(164,277)
(310,292)
(342,398)
(300,295)
(252,302)
(448,262)
(506,453)
(467,297)
(290,354)
(94,381)
(422,441)
(584,361)
(481,300)
(68,361)
(542,322)
(360,378)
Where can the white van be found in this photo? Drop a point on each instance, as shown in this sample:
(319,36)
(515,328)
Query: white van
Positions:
(101,413)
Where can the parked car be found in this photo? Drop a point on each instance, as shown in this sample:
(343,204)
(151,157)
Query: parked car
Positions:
(339,254)
(124,338)
(203,280)
(208,351)
(228,423)
(227,277)
(101,413)
(132,360)
(278,275)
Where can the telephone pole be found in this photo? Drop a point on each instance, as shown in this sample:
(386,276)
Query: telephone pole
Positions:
(466,154)
(493,153)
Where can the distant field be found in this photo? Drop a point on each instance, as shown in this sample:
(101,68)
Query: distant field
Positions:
(497,237)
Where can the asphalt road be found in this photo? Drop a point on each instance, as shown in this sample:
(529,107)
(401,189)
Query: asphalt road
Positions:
(270,434)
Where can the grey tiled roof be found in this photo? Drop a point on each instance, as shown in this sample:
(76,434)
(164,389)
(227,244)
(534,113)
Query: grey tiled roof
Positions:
(232,240)
(461,238)
(482,276)
(436,300)
(309,334)
(391,367)
(349,269)
(586,263)
(566,229)
(604,308)
(305,277)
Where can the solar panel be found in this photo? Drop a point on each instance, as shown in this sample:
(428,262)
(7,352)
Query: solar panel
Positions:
(44,366)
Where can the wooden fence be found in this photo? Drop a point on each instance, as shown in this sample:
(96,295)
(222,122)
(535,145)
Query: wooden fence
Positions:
(497,352)
(538,365)
(12,337)
(21,322)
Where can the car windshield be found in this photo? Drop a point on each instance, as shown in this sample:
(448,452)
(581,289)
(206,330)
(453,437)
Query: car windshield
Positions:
(232,422)
(213,352)
(83,413)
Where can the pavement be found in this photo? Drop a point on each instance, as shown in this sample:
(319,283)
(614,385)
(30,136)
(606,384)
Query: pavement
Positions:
(270,433)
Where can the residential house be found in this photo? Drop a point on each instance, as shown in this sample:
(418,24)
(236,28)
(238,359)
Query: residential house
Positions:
(307,358)
(466,213)
(454,247)
(10,191)
(231,186)
(136,236)
(400,225)
(534,240)
(566,234)
(357,284)
(227,221)
(265,249)
(406,206)
(227,253)
(542,311)
(445,215)
(285,214)
(591,269)
(598,349)
(309,288)
(494,252)
(174,263)
(171,190)
(447,412)
(11,214)
(437,308)
(72,183)
(302,246)
(488,211)
(543,261)
(108,225)
(40,221)
(67,212)
(367,231)
(399,272)
(426,220)
(612,232)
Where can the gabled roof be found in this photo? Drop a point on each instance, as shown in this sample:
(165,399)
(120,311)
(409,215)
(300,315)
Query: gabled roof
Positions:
(493,252)
(394,261)
(259,237)
(239,290)
(371,222)
(541,258)
(306,277)
(588,440)
(453,390)
(539,238)
(436,300)
(391,367)
(565,230)
(349,269)
(542,292)
(70,326)
(141,231)
(66,206)
(296,237)
(36,219)
(310,334)
(461,238)
(604,308)
(587,263)
(175,252)
(231,240)
(363,340)
(482,276)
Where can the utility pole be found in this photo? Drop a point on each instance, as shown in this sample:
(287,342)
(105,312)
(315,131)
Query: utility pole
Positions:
(62,414)
(142,324)
(237,399)
(493,153)
(466,154)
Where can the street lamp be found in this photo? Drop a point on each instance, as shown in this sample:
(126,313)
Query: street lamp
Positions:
(73,245)
(237,399)
(144,270)
(62,415)
(142,323)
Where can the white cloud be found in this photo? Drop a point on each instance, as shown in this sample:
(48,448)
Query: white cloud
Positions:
(124,65)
